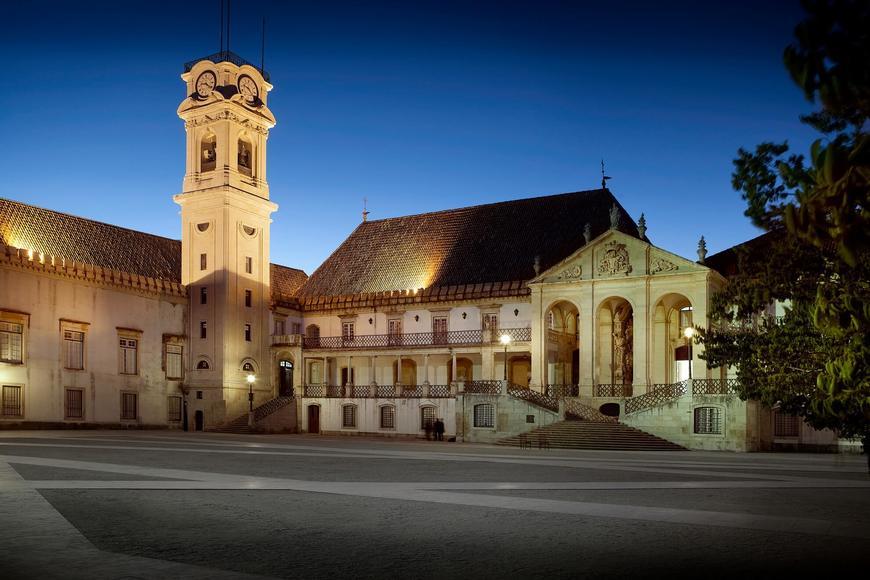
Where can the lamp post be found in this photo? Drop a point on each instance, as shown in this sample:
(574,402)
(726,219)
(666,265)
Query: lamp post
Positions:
(689,333)
(505,339)
(251,378)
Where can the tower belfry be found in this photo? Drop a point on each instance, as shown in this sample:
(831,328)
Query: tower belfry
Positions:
(225,214)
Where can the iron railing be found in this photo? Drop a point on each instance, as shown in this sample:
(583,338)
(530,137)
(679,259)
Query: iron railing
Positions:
(286,339)
(482,387)
(578,410)
(613,390)
(534,397)
(659,395)
(417,339)
(714,386)
(377,391)
(559,391)
(226,56)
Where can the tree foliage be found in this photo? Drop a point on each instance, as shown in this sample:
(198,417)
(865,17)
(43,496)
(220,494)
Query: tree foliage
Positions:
(814,361)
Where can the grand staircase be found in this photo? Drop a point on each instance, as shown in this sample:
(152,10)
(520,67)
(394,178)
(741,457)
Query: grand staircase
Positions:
(240,424)
(580,434)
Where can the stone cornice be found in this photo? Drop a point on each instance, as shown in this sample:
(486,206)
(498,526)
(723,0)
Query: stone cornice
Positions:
(45,264)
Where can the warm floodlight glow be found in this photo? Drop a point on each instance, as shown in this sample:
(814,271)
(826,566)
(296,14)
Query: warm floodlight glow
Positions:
(251,379)
(689,332)
(505,339)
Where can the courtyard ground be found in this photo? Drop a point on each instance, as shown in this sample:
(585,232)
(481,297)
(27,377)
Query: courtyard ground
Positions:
(110,504)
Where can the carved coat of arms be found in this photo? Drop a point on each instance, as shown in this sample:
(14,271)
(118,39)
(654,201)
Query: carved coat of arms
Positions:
(615,260)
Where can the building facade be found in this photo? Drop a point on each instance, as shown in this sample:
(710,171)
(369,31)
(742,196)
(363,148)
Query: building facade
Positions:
(493,319)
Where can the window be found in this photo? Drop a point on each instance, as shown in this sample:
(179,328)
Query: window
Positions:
(203,227)
(490,323)
(388,417)
(73,406)
(74,351)
(312,336)
(129,406)
(202,365)
(708,421)
(347,331)
(249,265)
(247,366)
(249,297)
(439,329)
(427,417)
(173,408)
(348,416)
(199,395)
(203,295)
(203,329)
(203,261)
(245,157)
(11,396)
(208,155)
(394,331)
(247,333)
(484,415)
(174,354)
(785,425)
(129,354)
(551,320)
(11,341)
(279,327)
(297,328)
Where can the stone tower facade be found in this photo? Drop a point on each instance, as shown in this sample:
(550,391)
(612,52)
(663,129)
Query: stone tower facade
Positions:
(225,217)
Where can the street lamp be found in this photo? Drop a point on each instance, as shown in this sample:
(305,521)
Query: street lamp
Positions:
(251,378)
(689,333)
(505,339)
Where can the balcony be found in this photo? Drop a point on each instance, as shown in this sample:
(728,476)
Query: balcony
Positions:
(286,340)
(417,339)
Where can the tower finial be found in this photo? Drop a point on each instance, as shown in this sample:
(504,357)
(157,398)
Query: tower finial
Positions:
(641,226)
(365,212)
(587,232)
(702,250)
(604,177)
(614,216)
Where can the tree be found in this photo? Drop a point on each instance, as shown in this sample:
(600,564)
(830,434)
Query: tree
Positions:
(814,361)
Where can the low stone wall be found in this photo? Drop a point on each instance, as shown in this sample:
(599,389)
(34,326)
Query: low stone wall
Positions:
(512,417)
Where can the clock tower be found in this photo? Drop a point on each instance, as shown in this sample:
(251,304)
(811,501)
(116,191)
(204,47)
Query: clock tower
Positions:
(225,211)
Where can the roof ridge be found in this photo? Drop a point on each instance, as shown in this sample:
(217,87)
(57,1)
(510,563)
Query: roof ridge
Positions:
(72,215)
(492,203)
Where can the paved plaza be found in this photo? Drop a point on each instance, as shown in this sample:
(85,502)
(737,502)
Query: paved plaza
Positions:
(109,504)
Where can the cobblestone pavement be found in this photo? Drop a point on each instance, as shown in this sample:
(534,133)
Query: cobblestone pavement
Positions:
(108,504)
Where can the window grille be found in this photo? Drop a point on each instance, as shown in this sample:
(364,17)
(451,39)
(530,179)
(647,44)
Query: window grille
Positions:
(11,340)
(74,404)
(348,416)
(202,365)
(129,350)
(708,420)
(11,401)
(173,406)
(173,361)
(427,417)
(484,415)
(74,343)
(347,330)
(785,425)
(129,406)
(388,417)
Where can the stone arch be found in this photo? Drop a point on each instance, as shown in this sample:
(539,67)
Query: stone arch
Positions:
(409,372)
(245,155)
(207,151)
(203,363)
(614,336)
(562,343)
(464,370)
(249,365)
(669,350)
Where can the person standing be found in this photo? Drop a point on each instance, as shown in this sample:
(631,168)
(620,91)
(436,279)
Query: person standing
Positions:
(428,426)
(439,429)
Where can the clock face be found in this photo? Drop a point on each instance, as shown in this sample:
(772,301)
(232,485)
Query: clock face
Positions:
(248,88)
(205,83)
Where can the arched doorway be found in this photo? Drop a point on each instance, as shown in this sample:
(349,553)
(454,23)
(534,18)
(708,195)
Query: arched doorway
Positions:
(616,342)
(670,347)
(314,419)
(285,378)
(409,372)
(198,421)
(562,344)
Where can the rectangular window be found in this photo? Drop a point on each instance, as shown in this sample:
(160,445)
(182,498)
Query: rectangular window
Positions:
(439,329)
(248,333)
(484,415)
(249,298)
(74,349)
(129,355)
(427,417)
(347,331)
(203,295)
(174,354)
(249,265)
(708,421)
(11,396)
(203,329)
(388,417)
(279,327)
(394,331)
(11,341)
(297,328)
(74,404)
(490,323)
(173,409)
(203,261)
(129,406)
(348,416)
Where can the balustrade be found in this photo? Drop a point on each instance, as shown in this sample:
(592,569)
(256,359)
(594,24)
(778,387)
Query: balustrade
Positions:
(417,339)
(613,390)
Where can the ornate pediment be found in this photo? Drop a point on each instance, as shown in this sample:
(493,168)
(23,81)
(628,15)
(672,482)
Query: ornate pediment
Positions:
(659,264)
(614,260)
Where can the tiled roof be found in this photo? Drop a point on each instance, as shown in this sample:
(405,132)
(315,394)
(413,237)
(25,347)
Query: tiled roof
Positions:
(726,261)
(91,242)
(489,243)
(100,244)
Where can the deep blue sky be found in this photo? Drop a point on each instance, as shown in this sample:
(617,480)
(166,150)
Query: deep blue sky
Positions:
(417,106)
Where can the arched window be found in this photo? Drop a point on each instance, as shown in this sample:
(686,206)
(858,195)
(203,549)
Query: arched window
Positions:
(388,417)
(202,365)
(348,416)
(484,415)
(708,420)
(246,156)
(208,152)
(248,367)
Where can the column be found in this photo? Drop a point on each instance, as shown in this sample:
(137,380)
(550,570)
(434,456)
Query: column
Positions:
(398,380)
(324,373)
(453,363)
(426,369)
(373,380)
